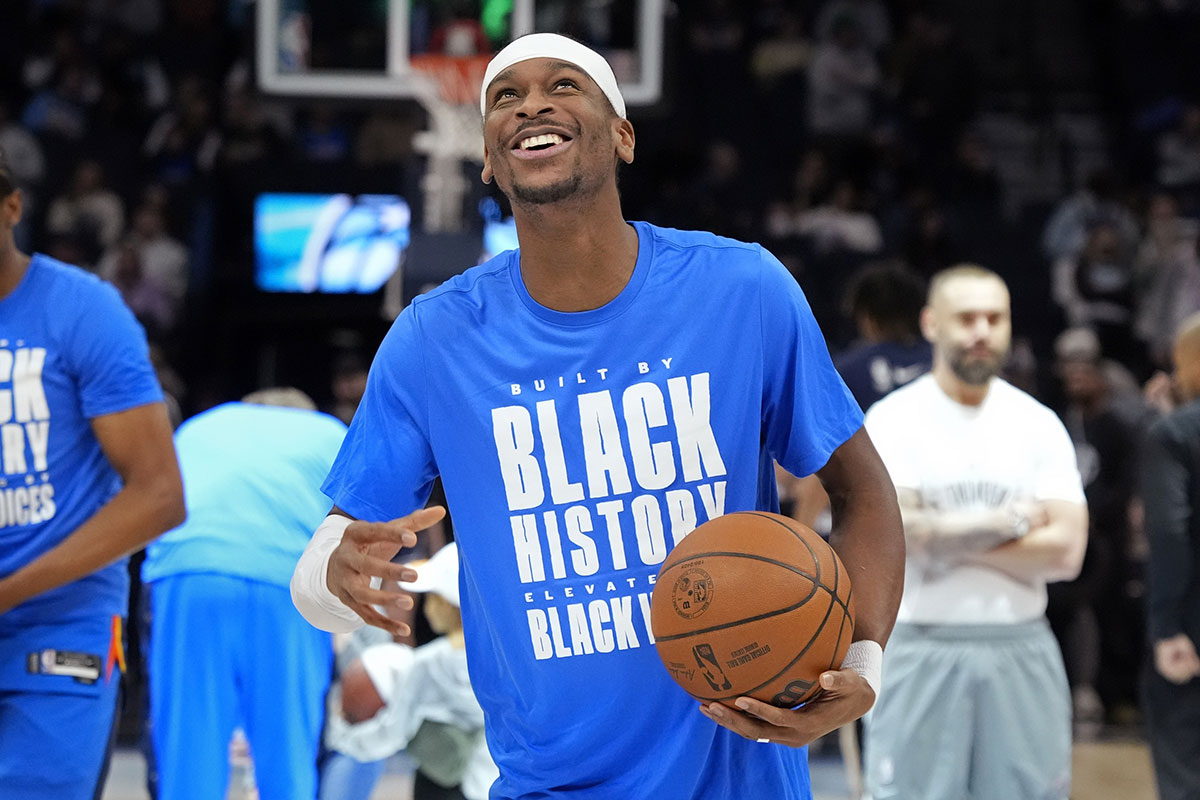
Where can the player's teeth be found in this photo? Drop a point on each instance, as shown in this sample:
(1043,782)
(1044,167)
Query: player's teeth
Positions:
(536,141)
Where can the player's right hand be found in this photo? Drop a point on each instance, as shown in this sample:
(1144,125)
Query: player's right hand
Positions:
(366,552)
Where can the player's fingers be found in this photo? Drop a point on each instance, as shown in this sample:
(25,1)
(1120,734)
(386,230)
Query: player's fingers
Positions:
(741,724)
(368,596)
(364,534)
(422,518)
(764,711)
(374,567)
(372,617)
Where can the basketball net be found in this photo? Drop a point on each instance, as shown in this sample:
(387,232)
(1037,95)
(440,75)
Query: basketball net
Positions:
(448,90)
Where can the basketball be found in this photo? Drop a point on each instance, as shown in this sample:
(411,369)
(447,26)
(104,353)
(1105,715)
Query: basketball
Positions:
(752,604)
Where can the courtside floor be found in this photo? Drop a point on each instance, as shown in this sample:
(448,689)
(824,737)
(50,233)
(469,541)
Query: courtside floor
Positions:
(1115,767)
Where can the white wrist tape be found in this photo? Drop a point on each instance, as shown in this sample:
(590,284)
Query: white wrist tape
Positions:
(310,595)
(866,658)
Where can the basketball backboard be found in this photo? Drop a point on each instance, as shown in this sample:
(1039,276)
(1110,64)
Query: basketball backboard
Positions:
(359,50)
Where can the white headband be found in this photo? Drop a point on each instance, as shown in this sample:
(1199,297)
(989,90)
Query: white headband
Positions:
(552,45)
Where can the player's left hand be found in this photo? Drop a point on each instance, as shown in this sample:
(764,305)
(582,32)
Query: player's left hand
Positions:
(846,696)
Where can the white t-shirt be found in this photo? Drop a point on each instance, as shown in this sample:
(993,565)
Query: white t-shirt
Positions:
(966,458)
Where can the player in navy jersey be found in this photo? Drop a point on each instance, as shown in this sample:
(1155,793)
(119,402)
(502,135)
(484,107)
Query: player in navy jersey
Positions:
(87,475)
(588,400)
(885,302)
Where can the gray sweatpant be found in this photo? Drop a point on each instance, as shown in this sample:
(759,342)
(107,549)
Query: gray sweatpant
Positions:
(970,712)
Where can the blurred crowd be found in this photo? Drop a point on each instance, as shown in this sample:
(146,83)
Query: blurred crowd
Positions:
(838,134)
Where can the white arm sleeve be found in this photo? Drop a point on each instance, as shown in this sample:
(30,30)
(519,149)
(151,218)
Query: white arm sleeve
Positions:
(310,595)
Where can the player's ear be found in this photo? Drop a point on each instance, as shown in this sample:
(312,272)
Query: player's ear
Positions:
(625,140)
(13,207)
(928,323)
(487,173)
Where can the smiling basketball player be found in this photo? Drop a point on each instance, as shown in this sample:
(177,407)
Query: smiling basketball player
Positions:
(689,362)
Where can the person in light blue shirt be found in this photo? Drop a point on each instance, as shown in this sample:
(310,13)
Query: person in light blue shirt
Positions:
(227,647)
(588,400)
(87,476)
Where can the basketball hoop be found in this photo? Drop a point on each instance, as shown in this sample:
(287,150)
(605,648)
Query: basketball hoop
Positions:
(448,89)
(458,78)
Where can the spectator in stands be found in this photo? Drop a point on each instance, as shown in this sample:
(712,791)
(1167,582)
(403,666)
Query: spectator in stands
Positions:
(89,210)
(62,110)
(779,59)
(842,82)
(162,260)
(810,182)
(935,85)
(1095,290)
(148,298)
(1179,153)
(1099,202)
(183,141)
(871,16)
(248,134)
(838,224)
(1167,270)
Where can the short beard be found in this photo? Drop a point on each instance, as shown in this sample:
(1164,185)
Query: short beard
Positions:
(547,194)
(974,373)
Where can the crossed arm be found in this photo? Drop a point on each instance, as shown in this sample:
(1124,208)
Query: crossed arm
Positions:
(1042,540)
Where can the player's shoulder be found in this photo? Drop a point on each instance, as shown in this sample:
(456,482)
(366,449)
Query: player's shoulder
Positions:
(66,281)
(699,241)
(714,260)
(1017,400)
(470,287)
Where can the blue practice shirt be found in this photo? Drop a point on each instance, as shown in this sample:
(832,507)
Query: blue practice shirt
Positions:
(70,351)
(252,482)
(576,449)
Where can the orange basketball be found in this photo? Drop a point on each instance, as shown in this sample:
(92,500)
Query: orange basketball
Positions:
(752,604)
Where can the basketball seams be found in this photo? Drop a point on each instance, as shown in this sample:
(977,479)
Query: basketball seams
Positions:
(799,655)
(816,560)
(744,620)
(804,650)
(815,579)
(799,537)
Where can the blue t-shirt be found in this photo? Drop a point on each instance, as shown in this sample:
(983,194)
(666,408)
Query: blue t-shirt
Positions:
(576,449)
(70,351)
(252,482)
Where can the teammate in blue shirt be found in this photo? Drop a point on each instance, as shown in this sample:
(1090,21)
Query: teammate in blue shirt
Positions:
(87,476)
(588,400)
(227,647)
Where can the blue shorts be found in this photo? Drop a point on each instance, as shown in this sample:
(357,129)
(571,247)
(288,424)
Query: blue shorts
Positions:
(55,730)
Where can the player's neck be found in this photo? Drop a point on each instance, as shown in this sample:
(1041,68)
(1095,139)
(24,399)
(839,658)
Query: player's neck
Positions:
(456,639)
(13,264)
(572,261)
(957,389)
